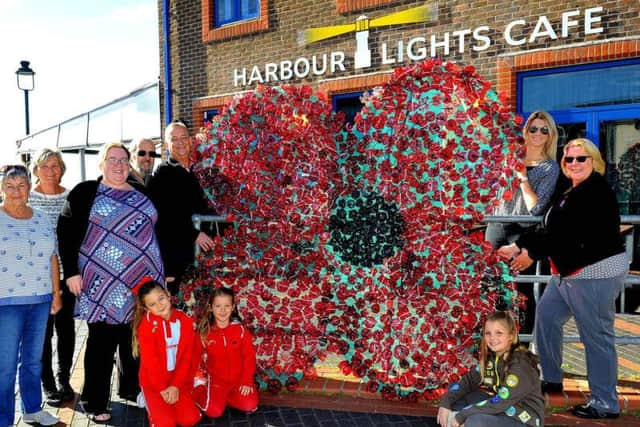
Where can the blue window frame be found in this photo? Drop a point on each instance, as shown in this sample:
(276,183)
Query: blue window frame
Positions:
(349,104)
(582,86)
(232,11)
(209,115)
(584,95)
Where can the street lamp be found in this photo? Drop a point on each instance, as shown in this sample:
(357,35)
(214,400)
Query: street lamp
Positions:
(26,82)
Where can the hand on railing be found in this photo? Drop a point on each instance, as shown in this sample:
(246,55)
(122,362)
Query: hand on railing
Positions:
(204,242)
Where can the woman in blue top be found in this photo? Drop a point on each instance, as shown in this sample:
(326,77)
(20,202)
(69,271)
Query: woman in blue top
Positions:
(29,292)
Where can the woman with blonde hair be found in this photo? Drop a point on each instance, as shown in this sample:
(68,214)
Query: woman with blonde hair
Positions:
(581,237)
(536,185)
(49,196)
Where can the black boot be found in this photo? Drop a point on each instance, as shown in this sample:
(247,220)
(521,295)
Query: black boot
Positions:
(67,394)
(51,392)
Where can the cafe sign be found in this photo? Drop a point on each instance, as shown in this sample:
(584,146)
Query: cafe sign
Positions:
(418,48)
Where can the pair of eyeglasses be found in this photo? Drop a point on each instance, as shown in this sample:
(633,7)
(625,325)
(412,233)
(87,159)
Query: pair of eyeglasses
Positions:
(152,154)
(17,169)
(543,130)
(112,161)
(579,159)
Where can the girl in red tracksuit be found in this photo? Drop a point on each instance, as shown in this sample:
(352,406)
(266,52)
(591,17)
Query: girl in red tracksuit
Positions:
(166,341)
(229,357)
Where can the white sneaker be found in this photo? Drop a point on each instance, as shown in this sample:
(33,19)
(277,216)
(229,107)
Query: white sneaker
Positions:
(140,401)
(41,417)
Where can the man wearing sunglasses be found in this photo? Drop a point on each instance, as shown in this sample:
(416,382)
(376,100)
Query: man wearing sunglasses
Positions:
(143,155)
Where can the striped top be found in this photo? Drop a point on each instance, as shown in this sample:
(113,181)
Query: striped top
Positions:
(26,247)
(119,249)
(52,205)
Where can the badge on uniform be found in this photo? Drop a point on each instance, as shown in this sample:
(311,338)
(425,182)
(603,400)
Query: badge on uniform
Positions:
(512,380)
(524,416)
(503,392)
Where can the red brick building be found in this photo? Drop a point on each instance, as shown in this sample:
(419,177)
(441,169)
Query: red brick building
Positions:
(579,60)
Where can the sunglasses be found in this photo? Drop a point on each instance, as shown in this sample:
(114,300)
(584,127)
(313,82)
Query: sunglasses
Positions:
(543,130)
(152,154)
(580,159)
(17,169)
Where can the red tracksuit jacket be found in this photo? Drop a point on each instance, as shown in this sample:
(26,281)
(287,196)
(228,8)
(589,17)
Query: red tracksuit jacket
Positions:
(230,356)
(155,375)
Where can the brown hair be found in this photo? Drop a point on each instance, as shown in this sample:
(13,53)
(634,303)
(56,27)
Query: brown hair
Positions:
(507,320)
(140,311)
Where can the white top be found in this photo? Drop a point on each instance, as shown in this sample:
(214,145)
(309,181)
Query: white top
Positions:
(26,247)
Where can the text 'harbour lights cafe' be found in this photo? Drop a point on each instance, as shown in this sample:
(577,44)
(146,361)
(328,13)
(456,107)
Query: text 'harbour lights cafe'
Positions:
(579,60)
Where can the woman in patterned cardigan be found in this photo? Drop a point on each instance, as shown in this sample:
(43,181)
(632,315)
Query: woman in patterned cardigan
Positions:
(107,244)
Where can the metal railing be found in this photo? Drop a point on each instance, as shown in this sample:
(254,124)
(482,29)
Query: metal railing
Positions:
(539,278)
(536,279)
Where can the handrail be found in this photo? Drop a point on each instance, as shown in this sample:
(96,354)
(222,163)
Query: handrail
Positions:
(536,279)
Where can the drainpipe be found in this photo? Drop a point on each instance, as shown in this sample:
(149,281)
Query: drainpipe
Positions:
(168,107)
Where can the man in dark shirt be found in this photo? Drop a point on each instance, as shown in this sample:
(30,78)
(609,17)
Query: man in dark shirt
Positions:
(176,194)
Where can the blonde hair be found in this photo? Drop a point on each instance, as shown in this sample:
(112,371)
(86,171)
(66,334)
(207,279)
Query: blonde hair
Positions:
(591,149)
(108,146)
(551,146)
(507,320)
(43,156)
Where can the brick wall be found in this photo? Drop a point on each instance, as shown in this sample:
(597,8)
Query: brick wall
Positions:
(202,66)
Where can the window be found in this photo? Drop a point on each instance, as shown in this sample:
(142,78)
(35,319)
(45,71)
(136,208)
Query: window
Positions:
(210,114)
(349,104)
(230,11)
(225,19)
(584,86)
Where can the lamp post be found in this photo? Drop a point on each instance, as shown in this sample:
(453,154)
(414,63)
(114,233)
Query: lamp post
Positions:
(26,82)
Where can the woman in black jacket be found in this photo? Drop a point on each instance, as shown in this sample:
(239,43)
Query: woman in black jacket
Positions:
(581,237)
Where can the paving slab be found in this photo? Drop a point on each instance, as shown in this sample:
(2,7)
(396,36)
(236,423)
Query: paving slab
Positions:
(335,400)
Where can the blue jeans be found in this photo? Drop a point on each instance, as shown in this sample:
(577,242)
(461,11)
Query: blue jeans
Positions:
(21,342)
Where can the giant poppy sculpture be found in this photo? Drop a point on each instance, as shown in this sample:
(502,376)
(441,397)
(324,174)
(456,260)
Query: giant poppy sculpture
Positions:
(361,242)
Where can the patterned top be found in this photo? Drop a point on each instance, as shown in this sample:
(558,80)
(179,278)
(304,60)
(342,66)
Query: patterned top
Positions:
(119,249)
(542,179)
(608,268)
(26,247)
(52,205)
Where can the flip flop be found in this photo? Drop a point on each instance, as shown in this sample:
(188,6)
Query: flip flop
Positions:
(100,418)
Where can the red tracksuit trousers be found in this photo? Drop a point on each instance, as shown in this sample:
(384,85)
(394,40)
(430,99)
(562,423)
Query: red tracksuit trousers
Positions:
(183,413)
(221,395)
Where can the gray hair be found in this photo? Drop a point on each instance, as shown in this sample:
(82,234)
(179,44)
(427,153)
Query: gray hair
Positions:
(13,172)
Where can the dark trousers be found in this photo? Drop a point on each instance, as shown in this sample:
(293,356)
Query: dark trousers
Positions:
(103,342)
(498,235)
(66,333)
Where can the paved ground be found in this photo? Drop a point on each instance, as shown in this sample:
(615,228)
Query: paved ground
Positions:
(341,403)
